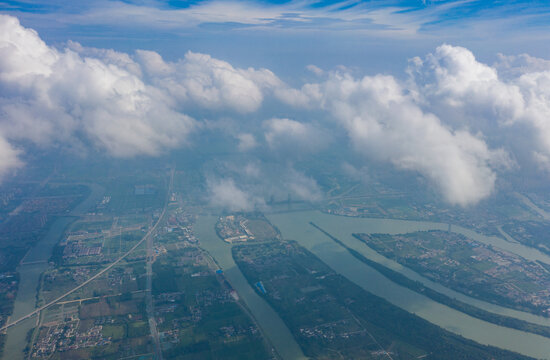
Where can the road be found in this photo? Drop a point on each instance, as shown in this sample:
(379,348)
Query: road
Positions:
(149,280)
(109,267)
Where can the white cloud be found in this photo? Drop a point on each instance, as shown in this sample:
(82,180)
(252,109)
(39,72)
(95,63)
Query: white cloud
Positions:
(208,82)
(535,87)
(153,63)
(512,66)
(52,96)
(102,97)
(307,97)
(451,77)
(108,99)
(9,158)
(354,173)
(447,121)
(252,170)
(108,56)
(23,55)
(315,69)
(384,122)
(246,142)
(279,129)
(512,109)
(298,15)
(293,135)
(302,186)
(225,194)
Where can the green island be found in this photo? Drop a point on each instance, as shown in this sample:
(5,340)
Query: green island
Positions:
(468,266)
(441,298)
(331,317)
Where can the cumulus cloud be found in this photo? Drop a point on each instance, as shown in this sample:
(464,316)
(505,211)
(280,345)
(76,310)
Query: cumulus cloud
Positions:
(238,186)
(536,91)
(512,66)
(225,194)
(357,174)
(124,105)
(208,82)
(252,170)
(246,142)
(293,135)
(302,186)
(9,158)
(442,119)
(455,120)
(307,97)
(384,122)
(109,56)
(56,96)
(452,79)
(512,108)
(315,69)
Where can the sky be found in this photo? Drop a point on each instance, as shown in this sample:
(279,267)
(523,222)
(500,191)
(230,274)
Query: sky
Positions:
(457,92)
(287,35)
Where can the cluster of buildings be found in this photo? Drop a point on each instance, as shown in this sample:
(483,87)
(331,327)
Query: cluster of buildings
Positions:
(181,222)
(499,272)
(232,331)
(338,329)
(508,266)
(233,228)
(78,249)
(65,336)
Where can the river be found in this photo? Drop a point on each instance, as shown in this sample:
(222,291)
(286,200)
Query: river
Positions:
(351,225)
(31,267)
(269,321)
(295,226)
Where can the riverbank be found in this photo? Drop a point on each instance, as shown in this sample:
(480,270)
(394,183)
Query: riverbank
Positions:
(30,270)
(296,226)
(269,321)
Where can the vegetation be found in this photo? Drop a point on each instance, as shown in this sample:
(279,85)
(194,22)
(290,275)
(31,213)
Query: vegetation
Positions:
(197,315)
(468,266)
(332,317)
(441,298)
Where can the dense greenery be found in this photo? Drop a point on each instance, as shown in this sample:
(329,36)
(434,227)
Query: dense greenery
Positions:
(444,299)
(463,265)
(197,314)
(441,298)
(331,316)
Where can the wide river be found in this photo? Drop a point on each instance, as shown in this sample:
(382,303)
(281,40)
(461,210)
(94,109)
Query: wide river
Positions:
(32,266)
(270,323)
(295,226)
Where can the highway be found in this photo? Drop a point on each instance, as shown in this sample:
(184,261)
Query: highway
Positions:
(106,269)
(149,281)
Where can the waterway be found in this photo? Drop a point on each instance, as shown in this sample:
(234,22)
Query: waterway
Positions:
(295,226)
(31,267)
(269,321)
(359,225)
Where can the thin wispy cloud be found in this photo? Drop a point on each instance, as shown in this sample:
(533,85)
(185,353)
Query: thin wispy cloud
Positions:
(389,18)
(295,15)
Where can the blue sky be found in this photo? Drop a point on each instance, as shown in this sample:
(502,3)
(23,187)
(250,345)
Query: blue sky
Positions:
(360,34)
